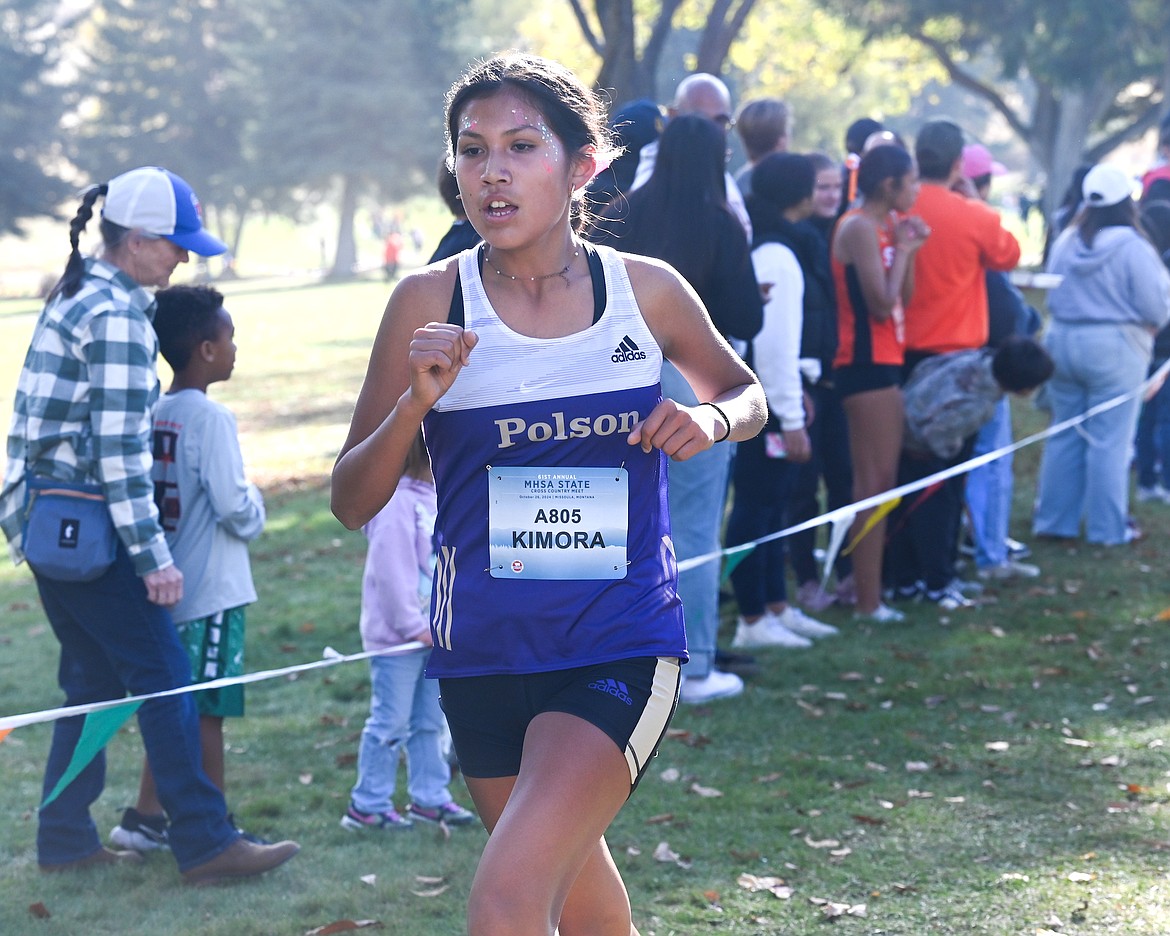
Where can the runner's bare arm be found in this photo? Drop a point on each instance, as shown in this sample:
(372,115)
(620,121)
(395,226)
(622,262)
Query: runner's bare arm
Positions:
(415,358)
(683,330)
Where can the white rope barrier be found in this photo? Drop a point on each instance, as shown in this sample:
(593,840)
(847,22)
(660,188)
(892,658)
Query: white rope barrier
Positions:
(331,657)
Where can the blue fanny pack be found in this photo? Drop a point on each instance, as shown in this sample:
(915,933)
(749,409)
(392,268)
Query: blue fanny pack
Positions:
(68,533)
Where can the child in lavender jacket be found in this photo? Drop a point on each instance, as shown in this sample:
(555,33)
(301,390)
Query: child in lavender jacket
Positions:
(404,706)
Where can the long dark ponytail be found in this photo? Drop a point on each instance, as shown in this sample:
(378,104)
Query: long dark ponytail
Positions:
(70,280)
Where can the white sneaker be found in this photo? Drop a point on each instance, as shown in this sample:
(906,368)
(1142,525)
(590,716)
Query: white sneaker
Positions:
(795,620)
(767,632)
(1009,570)
(715,685)
(1155,493)
(882,614)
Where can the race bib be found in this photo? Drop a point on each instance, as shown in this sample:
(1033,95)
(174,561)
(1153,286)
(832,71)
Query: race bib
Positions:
(558,523)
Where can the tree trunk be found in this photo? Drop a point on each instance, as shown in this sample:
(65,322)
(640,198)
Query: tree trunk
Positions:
(622,72)
(720,32)
(345,263)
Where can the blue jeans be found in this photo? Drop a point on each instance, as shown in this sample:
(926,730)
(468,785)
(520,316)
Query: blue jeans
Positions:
(989,490)
(1084,472)
(697,491)
(1152,445)
(114,642)
(404,711)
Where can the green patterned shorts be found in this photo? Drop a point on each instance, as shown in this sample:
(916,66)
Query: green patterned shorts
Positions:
(215,647)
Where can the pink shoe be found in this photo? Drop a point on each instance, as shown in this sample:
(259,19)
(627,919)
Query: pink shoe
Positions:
(846,593)
(810,595)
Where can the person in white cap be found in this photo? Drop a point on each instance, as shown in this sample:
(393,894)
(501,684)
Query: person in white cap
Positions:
(1113,296)
(82,414)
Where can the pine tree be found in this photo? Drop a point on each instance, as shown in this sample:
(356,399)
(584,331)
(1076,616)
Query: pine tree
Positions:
(30,114)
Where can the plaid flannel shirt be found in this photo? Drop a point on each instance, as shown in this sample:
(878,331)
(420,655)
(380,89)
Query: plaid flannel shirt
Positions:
(83,409)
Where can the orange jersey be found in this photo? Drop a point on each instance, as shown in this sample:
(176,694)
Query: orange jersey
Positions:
(949,309)
(861,338)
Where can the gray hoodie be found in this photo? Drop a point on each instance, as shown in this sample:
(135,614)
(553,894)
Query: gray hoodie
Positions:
(1120,279)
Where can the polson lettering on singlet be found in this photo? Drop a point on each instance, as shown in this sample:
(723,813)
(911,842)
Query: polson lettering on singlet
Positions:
(557,428)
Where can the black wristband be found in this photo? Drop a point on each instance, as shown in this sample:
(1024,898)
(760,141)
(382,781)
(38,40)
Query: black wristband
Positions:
(726,421)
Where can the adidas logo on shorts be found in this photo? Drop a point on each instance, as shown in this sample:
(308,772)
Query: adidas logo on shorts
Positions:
(627,351)
(614,688)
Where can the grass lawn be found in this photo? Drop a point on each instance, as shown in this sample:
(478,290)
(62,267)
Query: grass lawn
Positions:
(1001,770)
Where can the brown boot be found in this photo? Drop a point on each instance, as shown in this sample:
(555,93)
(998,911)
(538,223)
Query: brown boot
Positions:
(239,860)
(103,856)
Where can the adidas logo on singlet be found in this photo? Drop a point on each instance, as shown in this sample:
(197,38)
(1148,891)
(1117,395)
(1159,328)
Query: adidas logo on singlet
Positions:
(627,351)
(613,688)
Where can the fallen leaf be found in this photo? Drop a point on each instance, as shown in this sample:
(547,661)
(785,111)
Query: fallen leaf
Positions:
(427,879)
(664,854)
(868,820)
(769,778)
(773,885)
(433,892)
(39,910)
(344,926)
(705,791)
(660,819)
(821,843)
(997,745)
(670,775)
(711,896)
(917,766)
(689,738)
(1081,877)
(370,879)
(305,779)
(832,910)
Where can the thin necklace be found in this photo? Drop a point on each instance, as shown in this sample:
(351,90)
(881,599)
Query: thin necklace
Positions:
(532,279)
